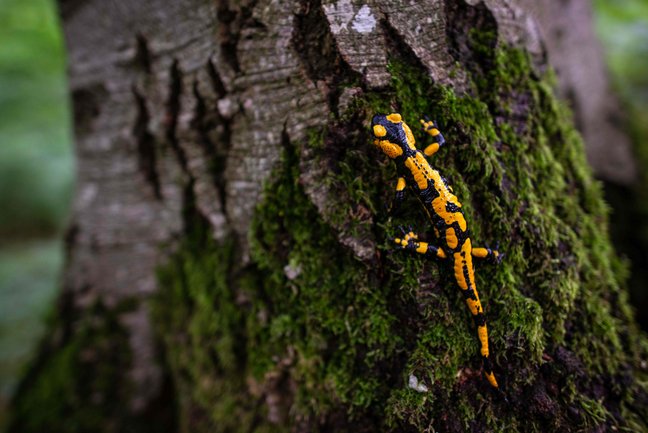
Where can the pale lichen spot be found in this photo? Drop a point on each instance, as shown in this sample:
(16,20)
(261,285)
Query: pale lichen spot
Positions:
(227,108)
(339,15)
(414,384)
(292,270)
(364,21)
(88,194)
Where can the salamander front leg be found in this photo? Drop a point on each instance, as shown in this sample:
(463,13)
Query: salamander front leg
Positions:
(411,243)
(430,127)
(399,196)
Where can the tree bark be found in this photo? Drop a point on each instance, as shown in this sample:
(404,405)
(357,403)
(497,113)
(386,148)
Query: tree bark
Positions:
(575,54)
(229,258)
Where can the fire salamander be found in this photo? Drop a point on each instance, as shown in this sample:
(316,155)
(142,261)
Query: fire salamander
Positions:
(396,140)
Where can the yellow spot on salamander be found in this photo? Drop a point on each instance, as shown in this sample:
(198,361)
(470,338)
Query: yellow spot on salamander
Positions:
(379,131)
(391,150)
(451,238)
(431,149)
(400,185)
(491,379)
(439,206)
(422,248)
(434,132)
(463,259)
(461,220)
(417,172)
(473,306)
(458,270)
(411,142)
(482,332)
(395,118)
(420,160)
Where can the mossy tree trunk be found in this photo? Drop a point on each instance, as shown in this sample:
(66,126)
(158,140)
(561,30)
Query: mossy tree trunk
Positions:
(230,265)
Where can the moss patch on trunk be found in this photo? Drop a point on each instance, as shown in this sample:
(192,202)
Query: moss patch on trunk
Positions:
(78,382)
(311,335)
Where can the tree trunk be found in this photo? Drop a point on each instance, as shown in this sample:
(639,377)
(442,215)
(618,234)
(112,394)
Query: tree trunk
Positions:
(230,263)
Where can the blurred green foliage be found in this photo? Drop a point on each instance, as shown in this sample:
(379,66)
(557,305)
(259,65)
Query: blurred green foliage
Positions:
(36,167)
(623,28)
(36,177)
(28,272)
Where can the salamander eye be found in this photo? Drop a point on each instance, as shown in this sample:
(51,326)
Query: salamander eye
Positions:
(379,131)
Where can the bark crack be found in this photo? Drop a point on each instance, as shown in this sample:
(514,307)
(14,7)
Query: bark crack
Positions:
(215,151)
(397,46)
(173,107)
(86,103)
(474,49)
(318,52)
(146,153)
(231,24)
(142,53)
(216,81)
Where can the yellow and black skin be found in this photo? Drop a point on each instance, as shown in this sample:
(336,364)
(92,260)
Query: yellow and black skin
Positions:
(396,140)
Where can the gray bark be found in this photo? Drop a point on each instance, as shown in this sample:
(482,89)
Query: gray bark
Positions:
(576,55)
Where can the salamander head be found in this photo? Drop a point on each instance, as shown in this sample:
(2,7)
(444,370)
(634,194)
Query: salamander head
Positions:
(393,136)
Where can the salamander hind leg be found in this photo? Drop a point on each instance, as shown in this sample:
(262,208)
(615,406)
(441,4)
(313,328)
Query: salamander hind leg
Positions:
(410,242)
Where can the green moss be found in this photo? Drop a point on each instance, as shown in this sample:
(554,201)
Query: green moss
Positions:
(203,327)
(518,165)
(339,327)
(79,386)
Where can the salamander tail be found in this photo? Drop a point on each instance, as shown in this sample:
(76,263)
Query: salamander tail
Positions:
(488,371)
